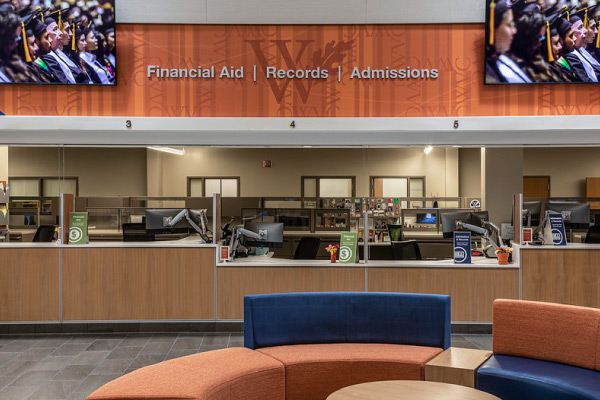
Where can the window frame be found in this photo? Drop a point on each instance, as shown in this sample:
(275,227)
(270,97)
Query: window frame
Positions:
(319,177)
(203,181)
(407,177)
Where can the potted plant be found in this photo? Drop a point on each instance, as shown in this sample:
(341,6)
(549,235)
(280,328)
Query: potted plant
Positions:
(503,252)
(332,249)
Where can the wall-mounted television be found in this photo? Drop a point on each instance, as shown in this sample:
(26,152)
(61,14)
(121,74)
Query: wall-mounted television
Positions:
(534,42)
(58,42)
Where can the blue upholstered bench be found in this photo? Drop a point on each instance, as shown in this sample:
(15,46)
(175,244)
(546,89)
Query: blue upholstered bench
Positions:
(543,351)
(327,341)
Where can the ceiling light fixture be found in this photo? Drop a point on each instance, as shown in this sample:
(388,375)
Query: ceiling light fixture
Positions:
(170,150)
(427,149)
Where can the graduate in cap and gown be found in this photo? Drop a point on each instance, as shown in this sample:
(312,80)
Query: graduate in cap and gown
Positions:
(12,69)
(582,66)
(499,37)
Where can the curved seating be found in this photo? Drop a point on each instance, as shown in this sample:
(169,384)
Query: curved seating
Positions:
(307,345)
(543,351)
(236,373)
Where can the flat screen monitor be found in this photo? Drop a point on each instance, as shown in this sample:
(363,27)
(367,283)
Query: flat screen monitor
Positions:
(271,234)
(516,43)
(449,222)
(534,209)
(575,215)
(48,43)
(157,222)
(477,218)
(426,218)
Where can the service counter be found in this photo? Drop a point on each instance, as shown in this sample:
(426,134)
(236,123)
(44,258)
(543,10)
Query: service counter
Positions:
(110,281)
(181,280)
(472,287)
(562,274)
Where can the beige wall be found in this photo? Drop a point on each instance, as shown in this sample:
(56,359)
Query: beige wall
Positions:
(469,172)
(101,171)
(567,168)
(502,176)
(169,172)
(3,163)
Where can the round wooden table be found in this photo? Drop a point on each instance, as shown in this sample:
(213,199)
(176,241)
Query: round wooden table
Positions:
(409,390)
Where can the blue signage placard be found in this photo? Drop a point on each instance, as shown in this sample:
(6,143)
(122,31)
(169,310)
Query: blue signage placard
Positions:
(462,247)
(557,227)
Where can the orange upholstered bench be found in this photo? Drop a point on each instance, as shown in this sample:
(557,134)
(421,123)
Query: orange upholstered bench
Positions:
(228,374)
(543,351)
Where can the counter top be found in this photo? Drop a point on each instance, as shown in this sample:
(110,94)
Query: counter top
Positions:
(280,262)
(569,246)
(164,243)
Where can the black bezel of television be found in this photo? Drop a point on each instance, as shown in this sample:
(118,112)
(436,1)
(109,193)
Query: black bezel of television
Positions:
(575,215)
(514,69)
(87,13)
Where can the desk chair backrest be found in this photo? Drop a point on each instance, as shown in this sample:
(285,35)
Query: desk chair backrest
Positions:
(593,235)
(45,233)
(406,250)
(307,248)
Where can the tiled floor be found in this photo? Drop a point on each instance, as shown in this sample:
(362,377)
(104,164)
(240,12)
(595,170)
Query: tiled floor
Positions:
(73,366)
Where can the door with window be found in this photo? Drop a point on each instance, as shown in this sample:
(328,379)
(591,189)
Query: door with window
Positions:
(399,186)
(328,186)
(207,186)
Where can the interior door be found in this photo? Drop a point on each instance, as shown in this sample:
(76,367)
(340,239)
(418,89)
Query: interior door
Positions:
(536,186)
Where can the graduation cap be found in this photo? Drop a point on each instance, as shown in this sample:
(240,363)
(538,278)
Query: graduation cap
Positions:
(551,30)
(497,10)
(568,11)
(520,7)
(26,21)
(583,15)
(56,16)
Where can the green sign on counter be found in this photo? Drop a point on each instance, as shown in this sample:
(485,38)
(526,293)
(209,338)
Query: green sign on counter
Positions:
(348,247)
(78,228)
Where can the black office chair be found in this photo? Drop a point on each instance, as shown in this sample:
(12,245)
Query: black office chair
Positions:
(136,233)
(45,233)
(406,250)
(395,232)
(307,248)
(593,235)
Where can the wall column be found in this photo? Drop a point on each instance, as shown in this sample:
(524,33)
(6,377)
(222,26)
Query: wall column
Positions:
(4,163)
(501,177)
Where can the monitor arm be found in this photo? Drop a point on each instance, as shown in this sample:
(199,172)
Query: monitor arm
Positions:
(485,233)
(527,214)
(237,233)
(186,214)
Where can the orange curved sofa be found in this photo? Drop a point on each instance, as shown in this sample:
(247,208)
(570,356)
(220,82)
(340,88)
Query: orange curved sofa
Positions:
(303,346)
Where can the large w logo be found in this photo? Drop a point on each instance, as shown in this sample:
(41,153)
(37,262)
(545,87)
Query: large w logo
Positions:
(325,59)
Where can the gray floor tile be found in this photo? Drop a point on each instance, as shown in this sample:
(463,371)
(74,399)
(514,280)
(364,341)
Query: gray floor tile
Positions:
(17,346)
(52,342)
(34,378)
(187,343)
(483,342)
(90,358)
(124,353)
(91,383)
(55,390)
(5,380)
(163,337)
(104,344)
(4,357)
(15,368)
(236,343)
(51,363)
(180,353)
(6,339)
(128,370)
(210,348)
(135,341)
(216,340)
(108,367)
(34,354)
(70,349)
(18,392)
(157,348)
(463,343)
(190,335)
(89,339)
(144,360)
(74,373)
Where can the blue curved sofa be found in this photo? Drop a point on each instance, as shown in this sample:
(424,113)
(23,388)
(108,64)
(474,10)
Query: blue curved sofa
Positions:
(543,351)
(327,341)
